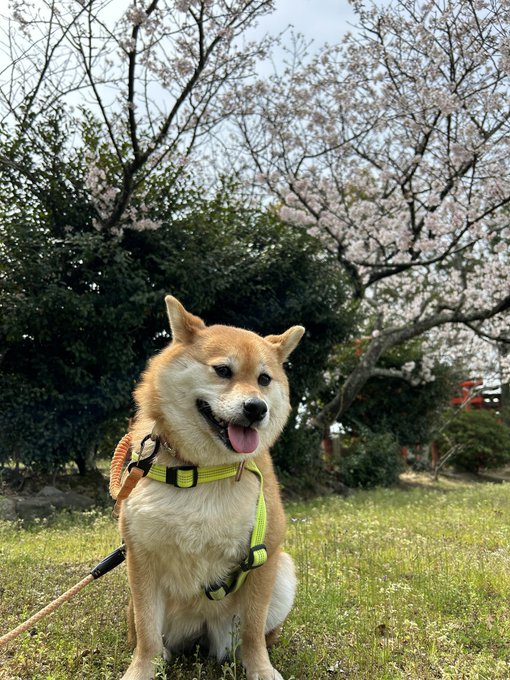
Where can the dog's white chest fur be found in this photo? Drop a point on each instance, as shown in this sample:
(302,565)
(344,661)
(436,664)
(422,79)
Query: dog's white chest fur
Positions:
(195,537)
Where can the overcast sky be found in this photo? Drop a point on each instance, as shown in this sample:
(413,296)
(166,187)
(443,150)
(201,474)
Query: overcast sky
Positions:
(320,20)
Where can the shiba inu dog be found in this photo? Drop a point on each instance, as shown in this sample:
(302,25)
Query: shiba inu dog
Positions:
(215,399)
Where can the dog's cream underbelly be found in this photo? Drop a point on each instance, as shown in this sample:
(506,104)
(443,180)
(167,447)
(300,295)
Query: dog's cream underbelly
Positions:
(194,537)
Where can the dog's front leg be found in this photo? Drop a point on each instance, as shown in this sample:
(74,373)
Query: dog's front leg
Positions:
(258,590)
(148,617)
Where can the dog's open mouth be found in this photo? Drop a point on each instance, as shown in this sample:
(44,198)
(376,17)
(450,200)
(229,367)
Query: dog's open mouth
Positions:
(236,437)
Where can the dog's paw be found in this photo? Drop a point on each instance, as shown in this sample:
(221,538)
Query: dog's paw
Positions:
(268,674)
(139,671)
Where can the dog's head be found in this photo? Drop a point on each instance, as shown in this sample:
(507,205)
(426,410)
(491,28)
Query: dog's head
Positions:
(218,394)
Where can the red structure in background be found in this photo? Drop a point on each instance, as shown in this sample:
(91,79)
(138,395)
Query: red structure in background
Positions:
(479,401)
(469,397)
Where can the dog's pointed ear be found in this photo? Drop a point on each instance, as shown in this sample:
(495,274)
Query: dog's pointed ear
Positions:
(286,342)
(183,325)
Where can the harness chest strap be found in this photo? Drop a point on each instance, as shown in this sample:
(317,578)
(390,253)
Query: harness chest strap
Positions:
(187,477)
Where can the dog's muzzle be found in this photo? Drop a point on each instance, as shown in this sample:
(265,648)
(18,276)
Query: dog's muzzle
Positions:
(255,410)
(237,435)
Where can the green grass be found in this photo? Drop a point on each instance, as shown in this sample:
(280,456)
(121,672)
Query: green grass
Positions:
(393,585)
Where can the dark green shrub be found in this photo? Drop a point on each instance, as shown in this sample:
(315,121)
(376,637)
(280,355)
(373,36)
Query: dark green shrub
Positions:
(298,449)
(370,460)
(483,440)
(81,309)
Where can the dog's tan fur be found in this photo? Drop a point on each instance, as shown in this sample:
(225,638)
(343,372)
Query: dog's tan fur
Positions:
(179,540)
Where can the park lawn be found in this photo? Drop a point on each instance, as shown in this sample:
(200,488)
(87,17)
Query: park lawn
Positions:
(394,584)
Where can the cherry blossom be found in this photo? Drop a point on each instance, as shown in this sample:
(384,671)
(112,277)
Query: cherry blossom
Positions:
(393,148)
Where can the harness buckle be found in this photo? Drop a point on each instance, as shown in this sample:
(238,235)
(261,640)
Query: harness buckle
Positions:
(182,476)
(257,556)
(219,591)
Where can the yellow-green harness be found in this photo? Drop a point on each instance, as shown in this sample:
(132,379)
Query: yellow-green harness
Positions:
(187,477)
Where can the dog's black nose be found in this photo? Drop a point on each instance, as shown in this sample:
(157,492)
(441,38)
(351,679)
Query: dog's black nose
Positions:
(254,409)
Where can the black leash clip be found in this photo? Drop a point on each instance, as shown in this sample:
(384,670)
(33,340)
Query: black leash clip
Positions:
(144,464)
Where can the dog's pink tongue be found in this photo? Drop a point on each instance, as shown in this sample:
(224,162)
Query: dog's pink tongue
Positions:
(243,439)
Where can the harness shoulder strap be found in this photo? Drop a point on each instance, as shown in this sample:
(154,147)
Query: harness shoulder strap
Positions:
(257,554)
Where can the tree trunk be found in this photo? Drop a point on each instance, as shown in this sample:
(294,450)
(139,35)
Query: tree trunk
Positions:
(86,462)
(354,383)
(388,338)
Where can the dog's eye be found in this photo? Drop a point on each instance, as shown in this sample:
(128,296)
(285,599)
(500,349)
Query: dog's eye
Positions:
(223,371)
(264,379)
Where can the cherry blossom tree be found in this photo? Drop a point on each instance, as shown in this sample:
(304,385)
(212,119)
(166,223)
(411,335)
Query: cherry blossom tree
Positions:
(148,72)
(393,148)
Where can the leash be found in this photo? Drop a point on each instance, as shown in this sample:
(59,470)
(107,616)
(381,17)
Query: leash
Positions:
(119,456)
(110,562)
(136,469)
(119,491)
